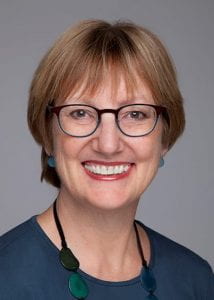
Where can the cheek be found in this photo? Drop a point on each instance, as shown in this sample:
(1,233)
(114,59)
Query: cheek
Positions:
(60,140)
(148,148)
(148,157)
(64,146)
(65,152)
(67,147)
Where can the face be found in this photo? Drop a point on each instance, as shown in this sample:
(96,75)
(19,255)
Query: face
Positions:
(136,159)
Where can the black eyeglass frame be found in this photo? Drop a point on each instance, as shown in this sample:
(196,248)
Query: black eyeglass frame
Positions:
(159,110)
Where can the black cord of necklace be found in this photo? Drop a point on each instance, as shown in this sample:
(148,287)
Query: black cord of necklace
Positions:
(144,262)
(64,244)
(59,227)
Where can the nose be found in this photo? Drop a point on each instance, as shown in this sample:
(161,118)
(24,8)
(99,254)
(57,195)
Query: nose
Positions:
(107,138)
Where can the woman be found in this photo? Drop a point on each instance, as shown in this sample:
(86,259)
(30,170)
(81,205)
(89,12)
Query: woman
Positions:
(105,107)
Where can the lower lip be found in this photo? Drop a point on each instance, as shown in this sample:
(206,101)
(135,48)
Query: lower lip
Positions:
(108,177)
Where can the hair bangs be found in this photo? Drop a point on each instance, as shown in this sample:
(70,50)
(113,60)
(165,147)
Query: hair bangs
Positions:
(107,59)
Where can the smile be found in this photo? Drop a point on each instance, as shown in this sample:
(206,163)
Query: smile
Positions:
(107,171)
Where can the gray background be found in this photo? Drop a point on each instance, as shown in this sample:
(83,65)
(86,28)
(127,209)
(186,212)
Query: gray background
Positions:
(179,202)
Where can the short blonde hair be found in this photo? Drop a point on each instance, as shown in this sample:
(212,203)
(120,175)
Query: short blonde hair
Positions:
(86,53)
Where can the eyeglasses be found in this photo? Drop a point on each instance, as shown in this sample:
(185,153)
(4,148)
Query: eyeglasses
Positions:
(134,120)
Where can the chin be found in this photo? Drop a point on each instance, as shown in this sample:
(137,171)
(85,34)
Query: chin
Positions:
(109,202)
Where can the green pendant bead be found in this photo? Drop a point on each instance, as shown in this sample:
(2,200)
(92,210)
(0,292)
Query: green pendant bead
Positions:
(68,260)
(78,286)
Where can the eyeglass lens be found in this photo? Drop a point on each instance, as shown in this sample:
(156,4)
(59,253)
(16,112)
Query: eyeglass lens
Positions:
(132,120)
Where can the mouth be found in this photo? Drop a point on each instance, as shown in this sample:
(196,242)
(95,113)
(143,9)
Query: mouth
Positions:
(107,170)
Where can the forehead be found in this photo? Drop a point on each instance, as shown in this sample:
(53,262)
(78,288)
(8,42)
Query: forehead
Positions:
(119,91)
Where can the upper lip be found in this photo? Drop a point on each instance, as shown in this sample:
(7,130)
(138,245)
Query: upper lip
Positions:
(106,163)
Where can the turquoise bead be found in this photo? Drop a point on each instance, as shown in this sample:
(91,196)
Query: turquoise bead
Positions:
(161,162)
(51,162)
(148,280)
(78,286)
(68,260)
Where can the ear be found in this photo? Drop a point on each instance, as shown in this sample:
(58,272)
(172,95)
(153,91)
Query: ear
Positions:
(164,151)
(48,150)
(48,141)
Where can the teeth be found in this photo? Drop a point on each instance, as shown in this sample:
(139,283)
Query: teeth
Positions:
(106,170)
(126,168)
(110,170)
(116,170)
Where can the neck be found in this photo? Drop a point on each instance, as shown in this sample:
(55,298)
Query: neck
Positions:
(108,235)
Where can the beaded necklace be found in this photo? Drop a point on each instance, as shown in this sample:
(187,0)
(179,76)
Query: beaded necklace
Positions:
(77,285)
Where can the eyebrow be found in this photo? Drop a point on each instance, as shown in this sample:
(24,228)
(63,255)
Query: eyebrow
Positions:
(91,101)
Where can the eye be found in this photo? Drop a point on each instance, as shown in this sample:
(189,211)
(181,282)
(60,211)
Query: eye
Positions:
(134,115)
(137,115)
(78,114)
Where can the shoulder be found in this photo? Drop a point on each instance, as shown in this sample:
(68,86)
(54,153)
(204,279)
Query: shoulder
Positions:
(19,246)
(169,249)
(173,260)
(24,257)
(18,236)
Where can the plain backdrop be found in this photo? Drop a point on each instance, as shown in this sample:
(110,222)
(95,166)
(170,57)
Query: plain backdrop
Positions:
(179,203)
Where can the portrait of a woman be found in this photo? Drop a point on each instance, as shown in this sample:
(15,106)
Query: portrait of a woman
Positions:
(105,107)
